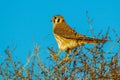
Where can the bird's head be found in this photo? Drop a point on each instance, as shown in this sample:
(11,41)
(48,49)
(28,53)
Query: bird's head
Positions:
(57,19)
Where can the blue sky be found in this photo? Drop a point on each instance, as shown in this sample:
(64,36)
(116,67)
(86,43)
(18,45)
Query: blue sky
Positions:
(23,22)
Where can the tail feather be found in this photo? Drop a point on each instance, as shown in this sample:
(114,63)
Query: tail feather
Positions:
(91,41)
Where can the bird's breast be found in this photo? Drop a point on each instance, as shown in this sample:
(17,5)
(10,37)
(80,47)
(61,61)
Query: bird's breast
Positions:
(64,43)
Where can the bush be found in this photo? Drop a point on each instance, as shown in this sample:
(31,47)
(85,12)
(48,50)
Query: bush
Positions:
(85,62)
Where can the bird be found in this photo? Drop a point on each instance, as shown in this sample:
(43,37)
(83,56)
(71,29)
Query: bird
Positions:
(67,38)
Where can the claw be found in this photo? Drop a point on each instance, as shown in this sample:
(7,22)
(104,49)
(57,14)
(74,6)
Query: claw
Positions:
(55,55)
(66,59)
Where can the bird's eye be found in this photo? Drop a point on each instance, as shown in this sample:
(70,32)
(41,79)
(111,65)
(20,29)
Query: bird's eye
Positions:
(55,17)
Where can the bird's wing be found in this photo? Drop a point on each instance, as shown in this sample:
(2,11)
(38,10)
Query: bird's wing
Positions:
(65,31)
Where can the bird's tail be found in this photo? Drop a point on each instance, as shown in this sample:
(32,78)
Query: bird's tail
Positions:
(91,41)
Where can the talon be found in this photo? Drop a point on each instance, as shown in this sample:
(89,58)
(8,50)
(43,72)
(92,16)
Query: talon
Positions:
(66,59)
(54,56)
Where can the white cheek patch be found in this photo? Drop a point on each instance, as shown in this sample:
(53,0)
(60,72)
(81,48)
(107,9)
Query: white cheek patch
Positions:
(56,20)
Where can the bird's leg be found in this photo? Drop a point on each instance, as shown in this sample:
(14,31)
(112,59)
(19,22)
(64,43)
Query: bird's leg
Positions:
(55,56)
(66,59)
(58,53)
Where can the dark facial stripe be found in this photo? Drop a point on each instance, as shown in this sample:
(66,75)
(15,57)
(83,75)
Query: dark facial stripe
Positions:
(58,20)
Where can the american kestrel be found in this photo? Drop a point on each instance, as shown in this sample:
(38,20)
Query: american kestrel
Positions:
(67,38)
